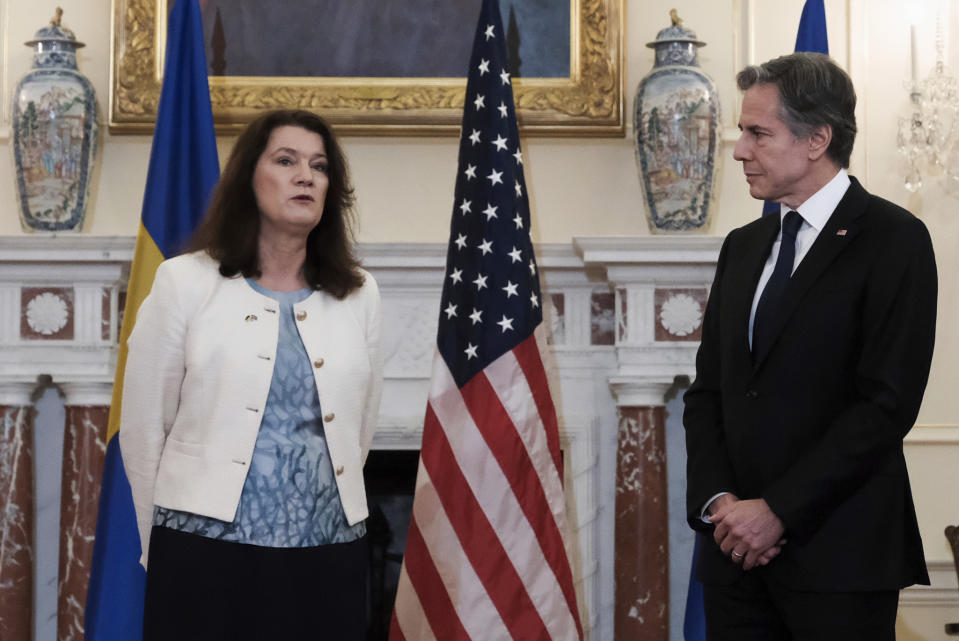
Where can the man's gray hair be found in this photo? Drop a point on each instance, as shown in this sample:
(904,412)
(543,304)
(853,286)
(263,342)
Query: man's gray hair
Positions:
(814,92)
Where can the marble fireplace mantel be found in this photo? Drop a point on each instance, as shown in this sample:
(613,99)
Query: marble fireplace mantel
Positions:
(624,315)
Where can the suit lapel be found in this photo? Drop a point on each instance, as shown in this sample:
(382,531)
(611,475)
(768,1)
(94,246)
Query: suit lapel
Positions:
(839,231)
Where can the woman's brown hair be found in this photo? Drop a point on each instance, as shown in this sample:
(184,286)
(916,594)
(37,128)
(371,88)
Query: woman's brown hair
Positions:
(230,230)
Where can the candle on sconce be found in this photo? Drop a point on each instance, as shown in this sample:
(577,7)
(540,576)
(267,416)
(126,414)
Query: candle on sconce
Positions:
(914,58)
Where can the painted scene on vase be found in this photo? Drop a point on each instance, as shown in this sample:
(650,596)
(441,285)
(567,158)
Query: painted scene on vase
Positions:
(51,118)
(676,147)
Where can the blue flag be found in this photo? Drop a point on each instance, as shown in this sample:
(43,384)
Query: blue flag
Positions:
(694,623)
(811,36)
(812,28)
(183,170)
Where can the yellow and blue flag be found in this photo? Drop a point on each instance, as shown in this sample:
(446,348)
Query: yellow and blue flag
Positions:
(183,170)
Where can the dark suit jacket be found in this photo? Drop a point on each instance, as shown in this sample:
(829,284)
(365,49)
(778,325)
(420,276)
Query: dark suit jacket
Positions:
(815,424)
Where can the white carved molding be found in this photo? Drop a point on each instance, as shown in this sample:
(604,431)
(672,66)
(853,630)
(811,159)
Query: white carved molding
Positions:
(639,391)
(933,435)
(16,394)
(86,393)
(651,353)
(59,306)
(943,590)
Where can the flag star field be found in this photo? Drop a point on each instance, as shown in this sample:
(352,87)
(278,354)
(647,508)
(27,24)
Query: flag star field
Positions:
(491,295)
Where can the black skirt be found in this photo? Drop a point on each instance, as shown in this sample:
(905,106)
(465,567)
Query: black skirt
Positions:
(204,589)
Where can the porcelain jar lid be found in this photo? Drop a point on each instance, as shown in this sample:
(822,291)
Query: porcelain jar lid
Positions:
(675,33)
(55,32)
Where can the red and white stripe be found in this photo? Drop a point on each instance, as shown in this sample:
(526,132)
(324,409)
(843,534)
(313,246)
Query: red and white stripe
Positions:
(486,557)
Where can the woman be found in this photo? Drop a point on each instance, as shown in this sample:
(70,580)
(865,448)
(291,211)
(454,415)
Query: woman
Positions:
(250,399)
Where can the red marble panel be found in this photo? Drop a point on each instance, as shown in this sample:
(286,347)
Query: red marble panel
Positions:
(557,316)
(105,314)
(641,609)
(17,522)
(121,309)
(46,313)
(602,318)
(679,314)
(84,449)
(622,328)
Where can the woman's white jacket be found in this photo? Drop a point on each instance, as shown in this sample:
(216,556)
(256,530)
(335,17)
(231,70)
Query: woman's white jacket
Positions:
(198,374)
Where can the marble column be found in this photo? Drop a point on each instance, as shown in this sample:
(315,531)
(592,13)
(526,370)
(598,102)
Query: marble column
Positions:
(16,511)
(641,609)
(84,450)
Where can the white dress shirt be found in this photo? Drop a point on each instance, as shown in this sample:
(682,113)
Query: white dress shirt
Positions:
(815,213)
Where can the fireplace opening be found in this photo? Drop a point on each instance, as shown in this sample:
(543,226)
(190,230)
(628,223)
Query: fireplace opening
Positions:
(390,480)
(390,477)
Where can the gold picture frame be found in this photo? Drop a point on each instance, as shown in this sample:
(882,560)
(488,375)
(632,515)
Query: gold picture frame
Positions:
(589,102)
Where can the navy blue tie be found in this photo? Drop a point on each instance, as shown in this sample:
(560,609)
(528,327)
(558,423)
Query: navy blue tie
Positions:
(768,306)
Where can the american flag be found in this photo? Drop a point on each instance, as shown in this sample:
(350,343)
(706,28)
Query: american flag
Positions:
(486,554)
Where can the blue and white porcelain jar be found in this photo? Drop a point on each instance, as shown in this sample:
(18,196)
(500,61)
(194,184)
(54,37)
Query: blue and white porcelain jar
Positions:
(676,126)
(54,134)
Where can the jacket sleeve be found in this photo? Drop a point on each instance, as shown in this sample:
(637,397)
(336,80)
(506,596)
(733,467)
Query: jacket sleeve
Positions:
(898,333)
(371,408)
(708,470)
(151,393)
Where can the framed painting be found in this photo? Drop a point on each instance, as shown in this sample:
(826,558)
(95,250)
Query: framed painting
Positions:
(378,67)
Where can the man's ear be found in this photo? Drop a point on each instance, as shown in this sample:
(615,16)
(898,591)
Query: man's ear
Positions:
(819,142)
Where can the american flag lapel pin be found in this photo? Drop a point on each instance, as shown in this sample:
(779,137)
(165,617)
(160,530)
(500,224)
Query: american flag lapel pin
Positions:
(841,232)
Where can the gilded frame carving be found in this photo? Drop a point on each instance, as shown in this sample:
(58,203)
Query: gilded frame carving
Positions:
(589,102)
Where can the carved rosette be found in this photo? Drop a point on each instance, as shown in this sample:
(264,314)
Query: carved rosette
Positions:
(679,314)
(46,313)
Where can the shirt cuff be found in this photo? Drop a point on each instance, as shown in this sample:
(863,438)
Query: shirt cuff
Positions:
(704,514)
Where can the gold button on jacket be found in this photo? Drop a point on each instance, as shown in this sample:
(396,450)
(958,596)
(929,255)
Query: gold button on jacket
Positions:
(301,316)
(318,363)
(329,417)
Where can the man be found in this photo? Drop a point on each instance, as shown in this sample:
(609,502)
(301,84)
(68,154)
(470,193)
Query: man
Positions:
(816,347)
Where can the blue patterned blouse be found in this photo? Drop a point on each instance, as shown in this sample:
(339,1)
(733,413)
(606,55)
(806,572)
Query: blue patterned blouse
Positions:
(290,497)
